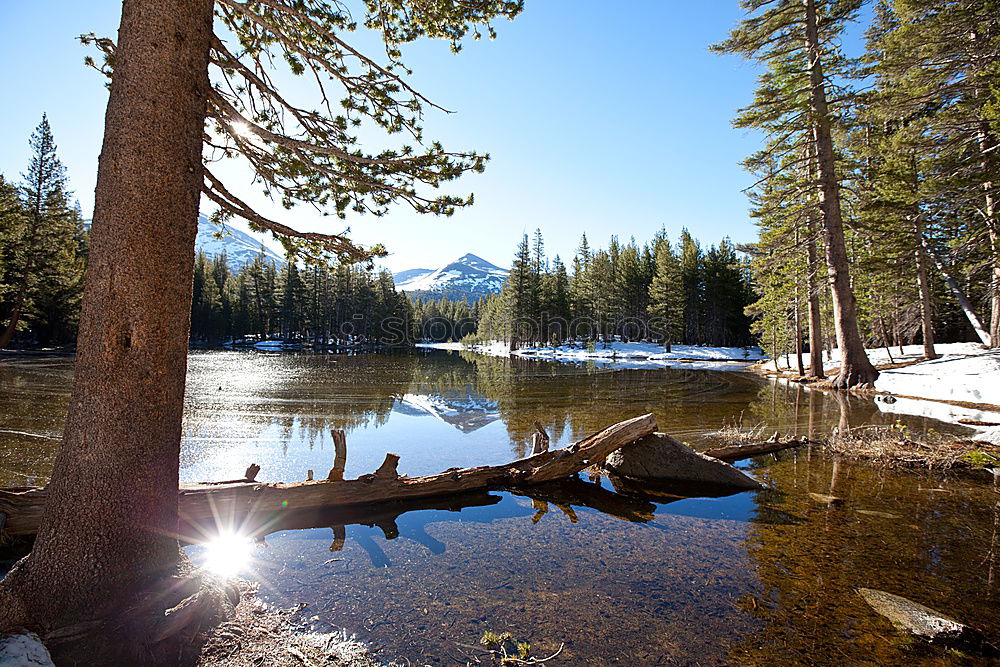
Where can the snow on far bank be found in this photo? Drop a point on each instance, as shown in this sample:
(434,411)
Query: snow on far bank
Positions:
(624,355)
(965,372)
(956,376)
(946,412)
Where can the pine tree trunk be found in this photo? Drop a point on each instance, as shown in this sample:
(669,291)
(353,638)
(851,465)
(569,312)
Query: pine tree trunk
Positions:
(986,146)
(813,284)
(924,289)
(798,322)
(815,310)
(855,368)
(110,526)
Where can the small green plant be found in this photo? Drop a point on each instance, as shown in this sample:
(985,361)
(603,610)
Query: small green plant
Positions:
(978,458)
(505,647)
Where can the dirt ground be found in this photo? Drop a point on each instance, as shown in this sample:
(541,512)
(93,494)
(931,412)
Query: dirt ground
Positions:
(258,635)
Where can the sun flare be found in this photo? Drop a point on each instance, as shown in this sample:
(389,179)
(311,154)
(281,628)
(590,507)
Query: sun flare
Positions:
(228,554)
(242,129)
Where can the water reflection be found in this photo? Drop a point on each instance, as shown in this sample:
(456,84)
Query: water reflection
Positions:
(910,534)
(435,409)
(620,574)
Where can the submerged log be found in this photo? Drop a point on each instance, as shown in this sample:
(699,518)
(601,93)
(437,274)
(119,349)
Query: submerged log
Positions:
(739,452)
(231,504)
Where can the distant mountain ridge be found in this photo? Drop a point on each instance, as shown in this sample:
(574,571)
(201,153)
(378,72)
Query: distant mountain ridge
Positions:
(240,247)
(469,276)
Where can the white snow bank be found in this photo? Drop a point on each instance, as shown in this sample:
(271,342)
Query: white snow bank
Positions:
(24,650)
(965,372)
(441,346)
(956,376)
(623,355)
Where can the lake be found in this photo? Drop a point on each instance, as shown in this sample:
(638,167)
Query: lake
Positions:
(759,577)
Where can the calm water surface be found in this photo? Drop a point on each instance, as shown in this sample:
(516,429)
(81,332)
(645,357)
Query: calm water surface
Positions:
(764,577)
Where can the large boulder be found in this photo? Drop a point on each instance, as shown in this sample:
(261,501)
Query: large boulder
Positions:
(927,624)
(663,458)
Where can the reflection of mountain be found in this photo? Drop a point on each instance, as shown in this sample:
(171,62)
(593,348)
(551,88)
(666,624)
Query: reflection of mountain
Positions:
(465,410)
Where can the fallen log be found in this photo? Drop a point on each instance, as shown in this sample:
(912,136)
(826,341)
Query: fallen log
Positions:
(232,504)
(733,453)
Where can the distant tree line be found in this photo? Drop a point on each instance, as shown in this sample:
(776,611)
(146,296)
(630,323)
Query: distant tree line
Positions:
(662,292)
(317,303)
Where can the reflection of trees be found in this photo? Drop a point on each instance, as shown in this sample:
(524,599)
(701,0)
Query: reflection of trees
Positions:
(811,557)
(572,401)
(236,395)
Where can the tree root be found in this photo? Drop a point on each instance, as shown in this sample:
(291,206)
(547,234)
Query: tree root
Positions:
(164,624)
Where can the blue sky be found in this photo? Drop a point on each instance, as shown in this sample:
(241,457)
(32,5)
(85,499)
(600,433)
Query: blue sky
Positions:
(604,118)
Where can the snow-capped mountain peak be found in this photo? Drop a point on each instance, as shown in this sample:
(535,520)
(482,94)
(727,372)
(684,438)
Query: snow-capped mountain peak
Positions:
(240,247)
(469,275)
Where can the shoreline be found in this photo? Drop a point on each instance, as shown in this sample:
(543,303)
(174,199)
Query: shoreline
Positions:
(963,370)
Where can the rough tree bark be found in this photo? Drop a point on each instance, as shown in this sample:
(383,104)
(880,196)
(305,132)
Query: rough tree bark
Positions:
(815,312)
(110,525)
(987,145)
(855,368)
(924,289)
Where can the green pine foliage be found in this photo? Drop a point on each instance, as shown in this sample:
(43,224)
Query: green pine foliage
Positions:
(44,249)
(652,292)
(913,127)
(324,304)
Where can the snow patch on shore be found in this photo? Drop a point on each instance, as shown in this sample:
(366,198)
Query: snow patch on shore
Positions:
(623,355)
(965,372)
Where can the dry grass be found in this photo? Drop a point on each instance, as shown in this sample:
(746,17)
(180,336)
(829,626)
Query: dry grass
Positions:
(896,446)
(890,446)
(738,434)
(259,636)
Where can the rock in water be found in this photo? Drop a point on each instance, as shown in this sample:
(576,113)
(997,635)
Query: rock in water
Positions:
(24,650)
(825,499)
(661,457)
(928,624)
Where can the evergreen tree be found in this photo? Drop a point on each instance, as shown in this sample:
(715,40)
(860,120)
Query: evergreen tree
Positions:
(43,266)
(666,292)
(936,63)
(798,41)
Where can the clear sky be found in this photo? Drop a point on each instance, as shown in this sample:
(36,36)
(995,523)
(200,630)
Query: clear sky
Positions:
(603,117)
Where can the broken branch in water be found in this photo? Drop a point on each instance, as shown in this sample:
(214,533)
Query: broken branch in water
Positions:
(739,452)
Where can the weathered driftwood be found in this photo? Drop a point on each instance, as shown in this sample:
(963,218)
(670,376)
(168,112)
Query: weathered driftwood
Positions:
(539,440)
(339,456)
(232,503)
(740,452)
